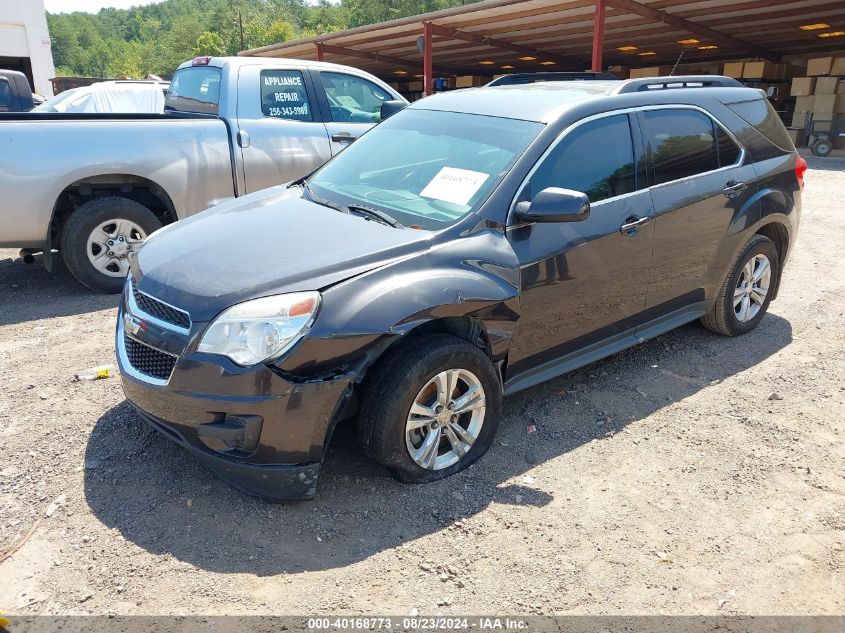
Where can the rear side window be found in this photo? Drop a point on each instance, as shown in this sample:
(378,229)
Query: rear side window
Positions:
(596,158)
(5,94)
(762,117)
(283,95)
(195,89)
(682,143)
(728,150)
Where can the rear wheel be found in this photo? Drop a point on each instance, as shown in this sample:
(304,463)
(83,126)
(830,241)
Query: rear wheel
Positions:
(101,236)
(747,290)
(431,408)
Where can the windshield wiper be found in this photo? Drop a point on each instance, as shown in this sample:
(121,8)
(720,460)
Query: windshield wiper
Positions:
(352,209)
(375,214)
(313,197)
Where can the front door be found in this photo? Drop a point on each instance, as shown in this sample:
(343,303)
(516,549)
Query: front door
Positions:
(700,188)
(280,134)
(586,280)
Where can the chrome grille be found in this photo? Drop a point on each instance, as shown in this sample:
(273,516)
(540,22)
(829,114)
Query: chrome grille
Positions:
(148,360)
(160,310)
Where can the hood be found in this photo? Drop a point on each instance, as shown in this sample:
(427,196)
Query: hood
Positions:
(266,243)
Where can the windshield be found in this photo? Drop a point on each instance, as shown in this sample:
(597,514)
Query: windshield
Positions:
(425,168)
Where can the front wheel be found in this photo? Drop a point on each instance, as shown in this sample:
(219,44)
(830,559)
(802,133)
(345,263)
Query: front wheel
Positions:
(431,408)
(747,290)
(101,236)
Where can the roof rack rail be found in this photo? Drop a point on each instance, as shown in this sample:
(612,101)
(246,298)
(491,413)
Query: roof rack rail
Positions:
(681,81)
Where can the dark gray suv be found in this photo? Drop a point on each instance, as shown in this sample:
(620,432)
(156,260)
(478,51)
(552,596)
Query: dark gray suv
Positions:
(472,245)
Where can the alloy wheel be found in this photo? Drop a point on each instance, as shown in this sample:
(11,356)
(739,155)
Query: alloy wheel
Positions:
(445,419)
(752,287)
(112,243)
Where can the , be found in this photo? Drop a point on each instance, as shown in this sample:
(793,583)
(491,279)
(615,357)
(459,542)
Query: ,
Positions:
(472,245)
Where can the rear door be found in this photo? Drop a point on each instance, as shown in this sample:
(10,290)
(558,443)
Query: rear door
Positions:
(280,134)
(700,186)
(351,104)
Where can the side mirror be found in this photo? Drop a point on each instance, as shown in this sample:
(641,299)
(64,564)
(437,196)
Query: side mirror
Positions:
(389,108)
(554,205)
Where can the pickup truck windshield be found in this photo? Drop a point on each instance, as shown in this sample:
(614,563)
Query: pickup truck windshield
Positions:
(425,168)
(195,89)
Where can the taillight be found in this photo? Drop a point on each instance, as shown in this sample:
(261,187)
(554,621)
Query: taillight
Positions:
(201,61)
(800,168)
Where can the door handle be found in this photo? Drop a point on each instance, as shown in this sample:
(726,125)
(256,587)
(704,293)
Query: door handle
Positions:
(343,137)
(733,189)
(243,138)
(632,224)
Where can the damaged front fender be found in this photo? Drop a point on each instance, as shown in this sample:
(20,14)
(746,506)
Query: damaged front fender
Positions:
(474,277)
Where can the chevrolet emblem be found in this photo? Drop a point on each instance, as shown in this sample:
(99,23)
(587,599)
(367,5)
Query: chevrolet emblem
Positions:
(133,324)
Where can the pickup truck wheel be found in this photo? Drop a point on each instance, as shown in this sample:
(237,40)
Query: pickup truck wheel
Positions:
(431,408)
(101,236)
(747,290)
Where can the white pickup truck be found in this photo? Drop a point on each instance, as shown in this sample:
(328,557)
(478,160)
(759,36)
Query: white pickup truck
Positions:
(94,186)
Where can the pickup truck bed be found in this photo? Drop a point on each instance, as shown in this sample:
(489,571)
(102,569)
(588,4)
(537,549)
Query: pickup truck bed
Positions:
(166,157)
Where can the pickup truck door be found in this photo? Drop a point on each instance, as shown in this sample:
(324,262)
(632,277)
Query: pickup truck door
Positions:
(351,105)
(279,132)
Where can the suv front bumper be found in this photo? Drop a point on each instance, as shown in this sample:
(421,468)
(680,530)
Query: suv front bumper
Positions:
(205,400)
(274,482)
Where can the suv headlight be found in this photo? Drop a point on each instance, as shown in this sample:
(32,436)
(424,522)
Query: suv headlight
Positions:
(262,329)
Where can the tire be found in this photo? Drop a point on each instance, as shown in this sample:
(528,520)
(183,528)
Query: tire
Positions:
(822,147)
(84,224)
(395,385)
(730,319)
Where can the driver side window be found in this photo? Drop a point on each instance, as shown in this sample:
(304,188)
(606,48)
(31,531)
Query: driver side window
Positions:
(596,158)
(353,99)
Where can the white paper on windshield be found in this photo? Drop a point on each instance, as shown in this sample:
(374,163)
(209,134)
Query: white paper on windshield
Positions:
(454,185)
